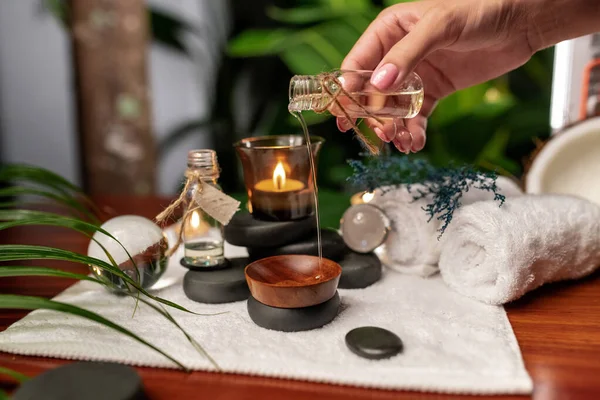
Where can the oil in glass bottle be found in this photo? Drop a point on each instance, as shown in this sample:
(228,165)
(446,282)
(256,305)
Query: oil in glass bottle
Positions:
(202,235)
(352,91)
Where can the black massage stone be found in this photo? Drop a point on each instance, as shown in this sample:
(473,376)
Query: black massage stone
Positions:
(332,243)
(373,343)
(293,319)
(359,270)
(84,380)
(246,231)
(220,286)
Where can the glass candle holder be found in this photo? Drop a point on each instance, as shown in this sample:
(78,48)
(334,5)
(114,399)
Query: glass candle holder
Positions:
(278,177)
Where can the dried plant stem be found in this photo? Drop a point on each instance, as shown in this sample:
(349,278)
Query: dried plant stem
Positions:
(327,79)
(192,177)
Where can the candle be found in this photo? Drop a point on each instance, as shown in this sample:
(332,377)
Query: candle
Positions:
(362,198)
(281,198)
(280,183)
(278,177)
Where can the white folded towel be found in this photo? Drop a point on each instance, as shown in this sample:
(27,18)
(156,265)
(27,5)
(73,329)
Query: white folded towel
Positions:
(412,245)
(497,254)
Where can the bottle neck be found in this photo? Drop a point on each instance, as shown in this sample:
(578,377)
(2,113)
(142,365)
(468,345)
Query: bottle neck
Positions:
(204,163)
(306,93)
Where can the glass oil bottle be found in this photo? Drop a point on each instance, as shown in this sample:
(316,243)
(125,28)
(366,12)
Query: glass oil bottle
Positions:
(202,234)
(354,93)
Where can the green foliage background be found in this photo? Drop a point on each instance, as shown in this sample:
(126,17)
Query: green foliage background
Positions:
(491,125)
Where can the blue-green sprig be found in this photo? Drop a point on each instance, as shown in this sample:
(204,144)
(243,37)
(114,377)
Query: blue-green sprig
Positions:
(445,186)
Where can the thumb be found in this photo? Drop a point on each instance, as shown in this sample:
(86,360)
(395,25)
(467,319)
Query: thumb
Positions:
(426,36)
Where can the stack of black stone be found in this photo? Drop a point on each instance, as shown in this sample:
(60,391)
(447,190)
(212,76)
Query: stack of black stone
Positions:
(224,283)
(269,238)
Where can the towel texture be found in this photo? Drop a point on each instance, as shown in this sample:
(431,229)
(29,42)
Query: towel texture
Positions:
(412,245)
(496,255)
(452,343)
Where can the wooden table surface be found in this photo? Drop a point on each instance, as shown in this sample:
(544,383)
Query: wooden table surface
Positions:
(557,326)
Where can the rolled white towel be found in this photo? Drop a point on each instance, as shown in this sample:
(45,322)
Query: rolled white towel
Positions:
(496,255)
(412,245)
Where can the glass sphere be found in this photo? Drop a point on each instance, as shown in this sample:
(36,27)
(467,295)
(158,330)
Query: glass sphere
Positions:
(146,245)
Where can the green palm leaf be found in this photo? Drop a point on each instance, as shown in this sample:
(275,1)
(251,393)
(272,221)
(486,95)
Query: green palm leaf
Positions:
(57,189)
(19,252)
(20,270)
(17,376)
(6,271)
(60,198)
(190,339)
(30,217)
(19,173)
(19,217)
(41,176)
(34,303)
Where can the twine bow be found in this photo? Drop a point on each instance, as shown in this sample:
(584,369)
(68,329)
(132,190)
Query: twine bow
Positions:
(326,79)
(205,197)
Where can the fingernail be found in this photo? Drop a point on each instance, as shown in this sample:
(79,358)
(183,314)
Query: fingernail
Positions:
(418,145)
(398,145)
(384,76)
(390,134)
(381,135)
(343,124)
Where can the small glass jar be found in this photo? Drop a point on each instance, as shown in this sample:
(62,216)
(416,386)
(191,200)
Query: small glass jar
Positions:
(354,92)
(202,235)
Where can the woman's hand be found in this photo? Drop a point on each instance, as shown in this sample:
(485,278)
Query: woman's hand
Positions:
(450,44)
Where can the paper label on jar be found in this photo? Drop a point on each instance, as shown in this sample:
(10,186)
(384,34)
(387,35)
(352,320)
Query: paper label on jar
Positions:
(216,203)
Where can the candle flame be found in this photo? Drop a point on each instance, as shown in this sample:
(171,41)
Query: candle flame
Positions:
(279,176)
(367,197)
(195,220)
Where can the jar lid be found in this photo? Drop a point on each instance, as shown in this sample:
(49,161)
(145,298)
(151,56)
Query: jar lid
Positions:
(364,227)
(205,162)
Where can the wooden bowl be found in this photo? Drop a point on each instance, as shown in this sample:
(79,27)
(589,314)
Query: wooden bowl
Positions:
(293,281)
